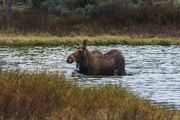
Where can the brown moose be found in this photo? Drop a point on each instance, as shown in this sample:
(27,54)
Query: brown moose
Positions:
(96,63)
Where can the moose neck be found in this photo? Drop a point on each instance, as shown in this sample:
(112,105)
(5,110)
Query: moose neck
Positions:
(84,63)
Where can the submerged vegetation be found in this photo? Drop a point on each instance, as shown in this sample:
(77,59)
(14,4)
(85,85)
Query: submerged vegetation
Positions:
(52,97)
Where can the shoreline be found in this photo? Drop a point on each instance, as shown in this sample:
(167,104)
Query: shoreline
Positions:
(49,40)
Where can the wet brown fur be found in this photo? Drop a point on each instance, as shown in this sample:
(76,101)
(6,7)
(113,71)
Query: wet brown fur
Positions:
(96,63)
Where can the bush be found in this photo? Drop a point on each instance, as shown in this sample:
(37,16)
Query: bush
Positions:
(57,7)
(61,6)
(126,15)
(36,3)
(114,14)
(86,10)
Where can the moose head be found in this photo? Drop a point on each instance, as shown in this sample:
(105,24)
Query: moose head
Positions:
(78,54)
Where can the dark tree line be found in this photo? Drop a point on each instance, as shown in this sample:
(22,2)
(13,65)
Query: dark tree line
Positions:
(36,3)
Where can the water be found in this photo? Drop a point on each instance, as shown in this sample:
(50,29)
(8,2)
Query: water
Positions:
(155,69)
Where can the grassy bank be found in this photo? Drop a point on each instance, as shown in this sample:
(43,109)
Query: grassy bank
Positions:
(35,40)
(52,97)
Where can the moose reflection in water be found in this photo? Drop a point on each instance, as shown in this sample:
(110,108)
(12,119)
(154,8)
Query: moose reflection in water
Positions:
(97,63)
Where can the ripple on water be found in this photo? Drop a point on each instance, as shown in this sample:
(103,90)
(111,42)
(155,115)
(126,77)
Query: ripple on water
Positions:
(155,69)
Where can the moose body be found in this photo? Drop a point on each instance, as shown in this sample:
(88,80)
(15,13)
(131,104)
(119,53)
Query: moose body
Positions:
(96,63)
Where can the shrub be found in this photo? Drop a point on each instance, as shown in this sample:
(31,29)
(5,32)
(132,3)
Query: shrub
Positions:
(61,6)
(127,15)
(57,7)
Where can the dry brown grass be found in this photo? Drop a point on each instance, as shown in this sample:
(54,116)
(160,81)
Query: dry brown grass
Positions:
(45,39)
(25,96)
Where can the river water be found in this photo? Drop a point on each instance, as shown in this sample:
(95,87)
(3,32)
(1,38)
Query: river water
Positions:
(155,69)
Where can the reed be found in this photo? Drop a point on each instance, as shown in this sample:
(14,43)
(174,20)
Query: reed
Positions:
(51,96)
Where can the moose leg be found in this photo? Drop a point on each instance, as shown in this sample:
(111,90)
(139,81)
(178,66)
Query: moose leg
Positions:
(121,69)
(115,71)
(77,65)
(120,66)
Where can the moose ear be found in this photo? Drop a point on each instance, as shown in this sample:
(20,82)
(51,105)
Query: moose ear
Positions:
(75,46)
(84,44)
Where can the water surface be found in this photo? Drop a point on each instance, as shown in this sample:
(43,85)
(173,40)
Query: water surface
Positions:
(155,69)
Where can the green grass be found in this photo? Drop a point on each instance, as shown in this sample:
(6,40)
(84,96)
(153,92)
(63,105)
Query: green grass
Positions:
(25,96)
(35,40)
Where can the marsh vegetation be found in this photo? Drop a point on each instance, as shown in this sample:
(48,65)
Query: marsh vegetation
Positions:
(46,95)
(49,40)
(52,96)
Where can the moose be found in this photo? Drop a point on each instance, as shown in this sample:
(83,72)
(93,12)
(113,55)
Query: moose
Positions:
(97,63)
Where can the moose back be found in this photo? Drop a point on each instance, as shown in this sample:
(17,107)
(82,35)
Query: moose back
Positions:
(97,63)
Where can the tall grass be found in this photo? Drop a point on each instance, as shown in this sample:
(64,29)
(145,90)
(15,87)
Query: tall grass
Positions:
(25,96)
(45,39)
(108,18)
